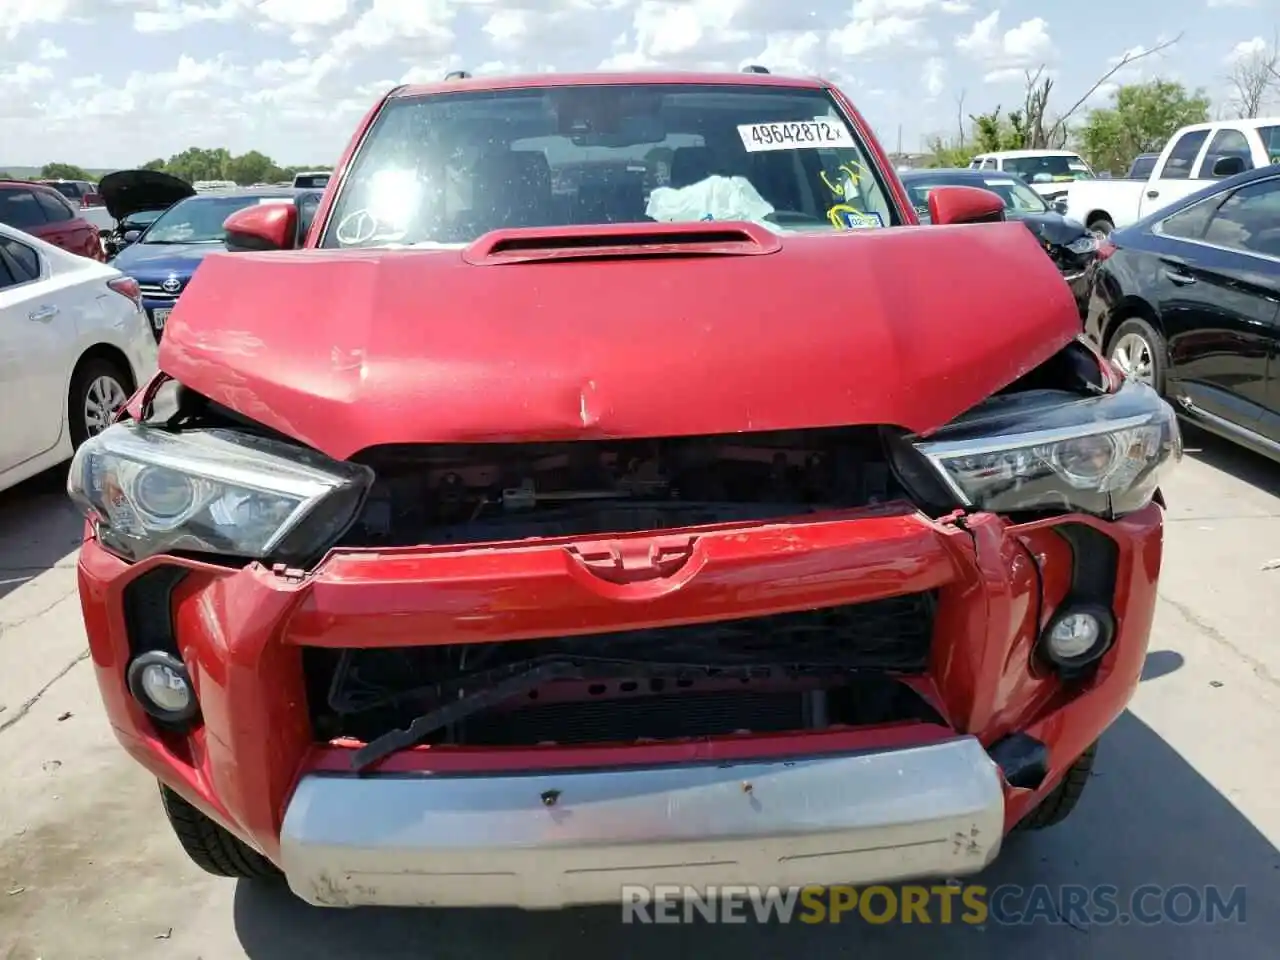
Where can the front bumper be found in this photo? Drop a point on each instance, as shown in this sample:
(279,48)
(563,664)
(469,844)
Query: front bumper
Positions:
(550,839)
(841,804)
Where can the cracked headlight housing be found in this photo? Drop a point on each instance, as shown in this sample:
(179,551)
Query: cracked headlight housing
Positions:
(1083,245)
(148,490)
(1047,450)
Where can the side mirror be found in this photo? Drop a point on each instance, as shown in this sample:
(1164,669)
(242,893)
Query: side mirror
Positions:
(131,236)
(1060,206)
(264,226)
(964,205)
(1228,166)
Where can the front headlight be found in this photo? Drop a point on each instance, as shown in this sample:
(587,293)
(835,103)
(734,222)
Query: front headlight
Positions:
(1041,450)
(1083,245)
(149,490)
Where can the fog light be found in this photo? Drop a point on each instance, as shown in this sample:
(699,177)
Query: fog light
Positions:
(1077,636)
(160,682)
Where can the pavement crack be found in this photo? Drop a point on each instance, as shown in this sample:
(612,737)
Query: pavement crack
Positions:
(31,701)
(1217,636)
(27,618)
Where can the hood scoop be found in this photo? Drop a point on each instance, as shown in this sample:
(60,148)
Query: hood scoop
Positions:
(623,240)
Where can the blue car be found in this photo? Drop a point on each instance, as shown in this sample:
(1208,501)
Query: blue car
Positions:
(164,256)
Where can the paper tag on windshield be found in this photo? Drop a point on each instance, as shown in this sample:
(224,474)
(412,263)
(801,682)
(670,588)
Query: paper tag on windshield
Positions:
(998,183)
(265,200)
(795,135)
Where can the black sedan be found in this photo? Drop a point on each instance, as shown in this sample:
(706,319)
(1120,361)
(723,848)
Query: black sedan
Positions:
(1188,300)
(1072,247)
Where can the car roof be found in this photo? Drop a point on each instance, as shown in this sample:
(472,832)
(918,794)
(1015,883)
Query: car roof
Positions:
(14,181)
(967,172)
(1012,154)
(283,192)
(1251,123)
(693,78)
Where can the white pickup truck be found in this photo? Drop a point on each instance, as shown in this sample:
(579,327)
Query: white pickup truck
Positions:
(1194,156)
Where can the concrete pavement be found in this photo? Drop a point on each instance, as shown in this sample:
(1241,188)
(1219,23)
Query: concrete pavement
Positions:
(1184,792)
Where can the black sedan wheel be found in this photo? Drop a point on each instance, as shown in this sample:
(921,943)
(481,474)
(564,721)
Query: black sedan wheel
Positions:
(1137,351)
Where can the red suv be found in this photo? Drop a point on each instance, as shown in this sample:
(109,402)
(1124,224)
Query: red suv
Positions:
(43,212)
(617,486)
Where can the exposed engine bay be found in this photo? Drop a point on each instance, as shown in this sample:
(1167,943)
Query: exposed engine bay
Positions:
(483,492)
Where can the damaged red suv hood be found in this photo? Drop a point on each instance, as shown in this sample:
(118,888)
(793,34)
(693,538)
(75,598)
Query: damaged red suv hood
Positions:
(345,350)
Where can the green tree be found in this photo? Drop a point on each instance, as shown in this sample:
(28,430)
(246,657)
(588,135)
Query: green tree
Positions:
(1141,119)
(156,164)
(992,132)
(63,171)
(251,167)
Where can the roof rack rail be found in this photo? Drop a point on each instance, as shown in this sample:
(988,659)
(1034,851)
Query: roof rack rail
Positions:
(754,68)
(457,75)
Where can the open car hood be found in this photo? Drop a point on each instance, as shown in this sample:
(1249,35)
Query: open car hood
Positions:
(349,349)
(127,192)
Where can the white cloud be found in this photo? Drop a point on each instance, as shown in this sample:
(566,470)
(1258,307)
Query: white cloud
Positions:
(1026,45)
(795,54)
(934,76)
(1247,50)
(19,15)
(46,49)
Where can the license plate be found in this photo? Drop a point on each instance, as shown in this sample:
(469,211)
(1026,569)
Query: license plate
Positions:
(160,317)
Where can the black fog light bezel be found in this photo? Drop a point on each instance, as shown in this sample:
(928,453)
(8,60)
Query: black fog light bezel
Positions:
(169,718)
(1074,666)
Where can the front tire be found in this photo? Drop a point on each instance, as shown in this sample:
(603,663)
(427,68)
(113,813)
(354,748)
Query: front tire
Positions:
(1102,226)
(98,389)
(212,848)
(1057,806)
(1137,349)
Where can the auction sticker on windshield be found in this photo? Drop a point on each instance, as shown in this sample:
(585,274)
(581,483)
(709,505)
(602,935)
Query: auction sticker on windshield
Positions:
(797,135)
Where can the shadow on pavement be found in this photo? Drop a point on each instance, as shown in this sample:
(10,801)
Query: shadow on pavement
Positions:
(1161,663)
(1231,458)
(38,527)
(1146,818)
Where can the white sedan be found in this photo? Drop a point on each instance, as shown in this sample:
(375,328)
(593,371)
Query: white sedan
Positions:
(74,344)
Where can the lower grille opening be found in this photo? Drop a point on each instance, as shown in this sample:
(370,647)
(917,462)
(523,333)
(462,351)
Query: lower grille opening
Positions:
(804,671)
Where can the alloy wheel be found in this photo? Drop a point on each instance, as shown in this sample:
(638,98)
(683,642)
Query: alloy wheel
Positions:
(1133,357)
(101,401)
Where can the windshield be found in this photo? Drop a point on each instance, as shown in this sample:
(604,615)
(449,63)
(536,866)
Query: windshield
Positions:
(139,220)
(1017,196)
(199,219)
(448,168)
(1048,169)
(68,189)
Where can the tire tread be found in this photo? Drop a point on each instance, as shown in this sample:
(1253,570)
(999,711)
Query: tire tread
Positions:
(211,847)
(1058,805)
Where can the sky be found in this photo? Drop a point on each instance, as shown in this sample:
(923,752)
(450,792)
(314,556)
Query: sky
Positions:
(114,83)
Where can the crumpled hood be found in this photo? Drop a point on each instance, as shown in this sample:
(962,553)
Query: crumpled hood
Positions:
(1054,227)
(348,349)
